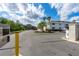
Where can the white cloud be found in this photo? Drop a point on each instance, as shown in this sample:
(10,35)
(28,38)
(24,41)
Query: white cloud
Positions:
(56,5)
(29,12)
(3,7)
(75,18)
(65,9)
(39,11)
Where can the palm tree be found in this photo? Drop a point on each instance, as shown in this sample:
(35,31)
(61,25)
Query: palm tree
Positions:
(49,19)
(44,27)
(44,18)
(49,24)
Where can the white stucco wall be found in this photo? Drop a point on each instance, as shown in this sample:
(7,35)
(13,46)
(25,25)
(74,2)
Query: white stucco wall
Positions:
(49,24)
(77,32)
(5,26)
(72,31)
(57,25)
(67,34)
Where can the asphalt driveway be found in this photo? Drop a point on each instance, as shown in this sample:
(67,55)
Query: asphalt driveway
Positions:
(41,44)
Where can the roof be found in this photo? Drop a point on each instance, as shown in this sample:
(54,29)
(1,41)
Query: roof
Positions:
(5,26)
(62,21)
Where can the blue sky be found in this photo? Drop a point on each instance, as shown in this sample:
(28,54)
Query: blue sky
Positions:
(33,12)
(49,11)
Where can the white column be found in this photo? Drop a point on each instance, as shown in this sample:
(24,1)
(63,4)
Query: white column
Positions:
(44,28)
(72,31)
(67,33)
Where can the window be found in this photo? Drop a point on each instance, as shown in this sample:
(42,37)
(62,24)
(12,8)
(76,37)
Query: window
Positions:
(53,27)
(67,26)
(53,23)
(59,24)
(59,27)
(5,31)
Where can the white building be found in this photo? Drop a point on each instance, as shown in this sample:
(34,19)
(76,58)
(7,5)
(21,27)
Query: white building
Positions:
(59,25)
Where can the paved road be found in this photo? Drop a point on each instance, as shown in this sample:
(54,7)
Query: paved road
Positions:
(42,44)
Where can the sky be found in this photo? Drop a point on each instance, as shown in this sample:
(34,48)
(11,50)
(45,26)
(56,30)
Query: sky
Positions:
(32,13)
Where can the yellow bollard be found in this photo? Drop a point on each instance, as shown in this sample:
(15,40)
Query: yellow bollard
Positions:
(17,43)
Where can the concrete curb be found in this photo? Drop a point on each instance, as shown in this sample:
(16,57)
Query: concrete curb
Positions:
(70,40)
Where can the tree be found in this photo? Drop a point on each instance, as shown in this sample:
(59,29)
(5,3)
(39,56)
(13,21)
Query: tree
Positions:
(49,18)
(34,27)
(41,25)
(14,26)
(3,20)
(28,27)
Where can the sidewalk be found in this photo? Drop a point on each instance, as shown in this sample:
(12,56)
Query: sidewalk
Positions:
(8,49)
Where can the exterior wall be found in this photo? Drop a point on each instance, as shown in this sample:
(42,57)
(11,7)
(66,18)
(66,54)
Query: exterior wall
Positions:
(1,36)
(49,23)
(67,34)
(0,31)
(56,26)
(5,26)
(72,31)
(3,39)
(59,25)
(77,32)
